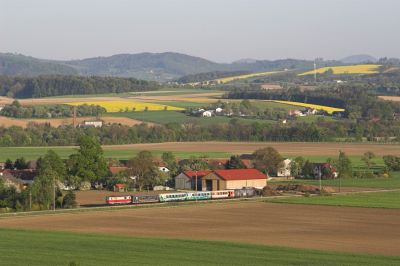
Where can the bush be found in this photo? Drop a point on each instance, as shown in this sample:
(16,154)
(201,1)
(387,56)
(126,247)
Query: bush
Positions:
(69,200)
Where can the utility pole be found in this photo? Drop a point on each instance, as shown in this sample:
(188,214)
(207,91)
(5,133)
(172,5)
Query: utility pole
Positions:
(54,193)
(74,116)
(320,178)
(30,199)
(315,71)
(196,184)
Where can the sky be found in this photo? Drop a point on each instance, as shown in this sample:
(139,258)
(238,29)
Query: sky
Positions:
(218,30)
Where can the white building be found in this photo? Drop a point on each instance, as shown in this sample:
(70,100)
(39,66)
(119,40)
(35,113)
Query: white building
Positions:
(96,123)
(284,171)
(207,114)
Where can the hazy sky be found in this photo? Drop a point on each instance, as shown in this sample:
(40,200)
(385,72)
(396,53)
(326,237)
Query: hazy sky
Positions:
(220,30)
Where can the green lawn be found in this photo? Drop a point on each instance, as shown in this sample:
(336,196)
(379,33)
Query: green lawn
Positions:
(31,153)
(389,200)
(56,248)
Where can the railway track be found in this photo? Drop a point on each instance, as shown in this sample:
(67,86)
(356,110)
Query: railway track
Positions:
(105,207)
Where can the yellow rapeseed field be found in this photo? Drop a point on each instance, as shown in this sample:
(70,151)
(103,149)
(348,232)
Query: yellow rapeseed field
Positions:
(328,109)
(229,79)
(355,69)
(122,106)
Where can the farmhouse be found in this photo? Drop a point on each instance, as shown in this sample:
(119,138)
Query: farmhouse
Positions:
(233,179)
(207,114)
(94,123)
(187,180)
(284,171)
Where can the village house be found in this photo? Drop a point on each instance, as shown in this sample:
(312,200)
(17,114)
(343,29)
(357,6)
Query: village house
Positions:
(285,170)
(325,171)
(93,123)
(10,181)
(207,113)
(296,113)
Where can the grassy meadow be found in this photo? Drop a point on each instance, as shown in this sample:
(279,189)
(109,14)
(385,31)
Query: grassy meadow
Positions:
(59,248)
(390,200)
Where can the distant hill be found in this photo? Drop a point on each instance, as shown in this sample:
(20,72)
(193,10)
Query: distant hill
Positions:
(148,66)
(20,65)
(359,59)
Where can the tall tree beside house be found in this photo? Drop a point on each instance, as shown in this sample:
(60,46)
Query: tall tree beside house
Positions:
(235,163)
(296,166)
(344,166)
(89,163)
(143,169)
(52,161)
(169,159)
(268,160)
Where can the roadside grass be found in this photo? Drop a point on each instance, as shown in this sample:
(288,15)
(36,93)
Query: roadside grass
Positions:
(32,153)
(389,200)
(20,247)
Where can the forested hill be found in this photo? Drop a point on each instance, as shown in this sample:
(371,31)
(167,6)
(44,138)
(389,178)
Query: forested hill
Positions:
(20,65)
(148,66)
(54,85)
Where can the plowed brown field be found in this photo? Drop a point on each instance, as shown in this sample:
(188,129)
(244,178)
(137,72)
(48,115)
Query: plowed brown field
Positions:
(56,122)
(364,230)
(286,148)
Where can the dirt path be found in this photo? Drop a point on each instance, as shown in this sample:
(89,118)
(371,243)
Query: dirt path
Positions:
(363,230)
(286,148)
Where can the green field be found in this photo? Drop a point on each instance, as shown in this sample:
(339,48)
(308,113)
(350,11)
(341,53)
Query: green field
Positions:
(164,117)
(32,153)
(381,183)
(58,248)
(389,200)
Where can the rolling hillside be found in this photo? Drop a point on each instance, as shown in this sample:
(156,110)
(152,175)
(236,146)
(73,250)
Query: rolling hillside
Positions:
(149,66)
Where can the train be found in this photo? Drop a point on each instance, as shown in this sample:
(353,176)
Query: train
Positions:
(182,196)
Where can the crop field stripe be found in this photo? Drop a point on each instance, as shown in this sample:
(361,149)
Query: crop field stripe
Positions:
(328,109)
(352,69)
(118,106)
(59,248)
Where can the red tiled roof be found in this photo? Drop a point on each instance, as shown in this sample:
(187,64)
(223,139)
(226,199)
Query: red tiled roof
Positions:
(247,163)
(117,169)
(200,173)
(119,185)
(240,174)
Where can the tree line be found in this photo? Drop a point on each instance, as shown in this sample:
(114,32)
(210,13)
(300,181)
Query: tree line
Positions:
(16,110)
(45,135)
(54,85)
(356,100)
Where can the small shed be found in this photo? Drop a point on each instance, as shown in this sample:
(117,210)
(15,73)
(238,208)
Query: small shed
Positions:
(119,188)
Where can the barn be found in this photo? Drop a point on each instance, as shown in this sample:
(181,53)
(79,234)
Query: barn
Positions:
(187,179)
(233,179)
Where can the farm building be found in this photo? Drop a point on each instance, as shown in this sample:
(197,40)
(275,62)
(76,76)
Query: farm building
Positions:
(187,180)
(233,179)
(119,188)
(207,114)
(94,123)
(284,171)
